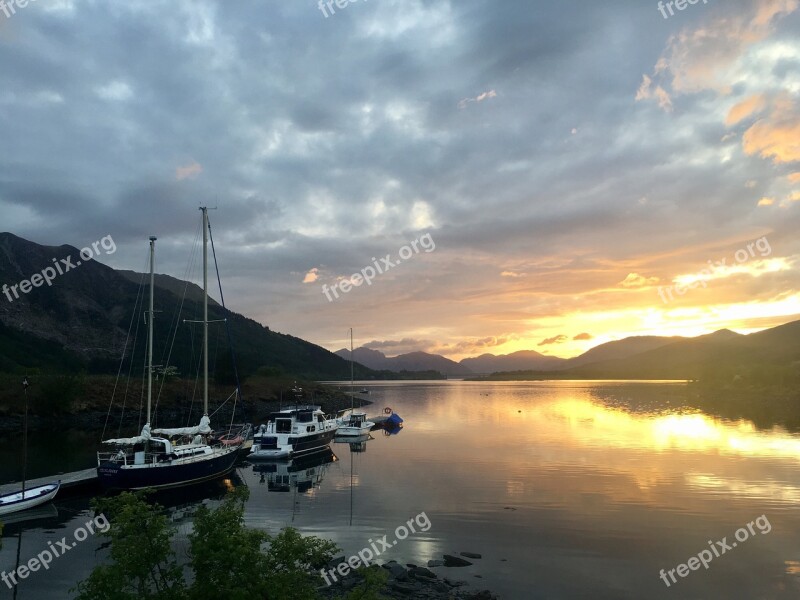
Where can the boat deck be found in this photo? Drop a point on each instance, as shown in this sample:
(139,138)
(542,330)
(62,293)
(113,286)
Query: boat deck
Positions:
(68,480)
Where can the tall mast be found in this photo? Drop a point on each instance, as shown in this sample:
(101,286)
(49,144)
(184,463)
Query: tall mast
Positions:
(205,309)
(352,391)
(150,329)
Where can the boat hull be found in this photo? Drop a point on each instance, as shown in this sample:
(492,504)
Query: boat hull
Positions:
(295,447)
(116,476)
(354,431)
(16,502)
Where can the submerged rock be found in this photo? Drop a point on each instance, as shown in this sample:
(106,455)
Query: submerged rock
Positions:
(455,561)
(435,563)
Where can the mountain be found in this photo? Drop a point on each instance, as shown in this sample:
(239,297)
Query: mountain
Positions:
(768,357)
(81,321)
(517,361)
(371,359)
(621,349)
(413,361)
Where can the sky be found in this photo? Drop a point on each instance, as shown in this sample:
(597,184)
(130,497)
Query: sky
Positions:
(519,175)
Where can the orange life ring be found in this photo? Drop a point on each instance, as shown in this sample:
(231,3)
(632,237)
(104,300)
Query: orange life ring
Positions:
(387,411)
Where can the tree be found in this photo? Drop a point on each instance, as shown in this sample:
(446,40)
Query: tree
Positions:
(293,563)
(227,560)
(143,565)
(225,556)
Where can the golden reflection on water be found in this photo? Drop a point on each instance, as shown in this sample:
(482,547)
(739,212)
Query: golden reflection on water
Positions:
(592,424)
(557,442)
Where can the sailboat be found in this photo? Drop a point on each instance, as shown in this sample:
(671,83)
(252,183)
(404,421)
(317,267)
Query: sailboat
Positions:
(31,497)
(151,459)
(355,423)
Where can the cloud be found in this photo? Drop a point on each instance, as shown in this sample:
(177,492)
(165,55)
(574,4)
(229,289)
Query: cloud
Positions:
(707,57)
(646,91)
(403,346)
(776,136)
(746,108)
(479,98)
(473,346)
(766,201)
(311,276)
(582,337)
(188,171)
(558,339)
(634,280)
(511,274)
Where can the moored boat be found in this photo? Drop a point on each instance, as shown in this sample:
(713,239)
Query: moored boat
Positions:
(27,498)
(168,458)
(293,432)
(355,423)
(30,498)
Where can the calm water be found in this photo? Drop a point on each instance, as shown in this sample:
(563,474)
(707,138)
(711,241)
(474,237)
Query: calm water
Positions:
(568,490)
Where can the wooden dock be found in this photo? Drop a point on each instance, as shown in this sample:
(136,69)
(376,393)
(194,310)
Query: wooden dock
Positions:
(76,479)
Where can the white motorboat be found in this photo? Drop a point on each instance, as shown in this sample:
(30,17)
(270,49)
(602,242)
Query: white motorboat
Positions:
(293,432)
(355,423)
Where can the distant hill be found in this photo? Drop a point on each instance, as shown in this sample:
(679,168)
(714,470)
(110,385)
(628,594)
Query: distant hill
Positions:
(413,361)
(82,321)
(517,361)
(724,357)
(620,349)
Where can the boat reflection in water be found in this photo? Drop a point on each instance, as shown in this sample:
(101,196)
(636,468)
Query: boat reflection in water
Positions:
(357,443)
(302,474)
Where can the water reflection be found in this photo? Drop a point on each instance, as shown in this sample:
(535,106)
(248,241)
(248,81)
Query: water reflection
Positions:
(569,490)
(302,474)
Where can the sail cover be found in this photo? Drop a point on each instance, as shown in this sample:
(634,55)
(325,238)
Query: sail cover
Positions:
(203,428)
(132,441)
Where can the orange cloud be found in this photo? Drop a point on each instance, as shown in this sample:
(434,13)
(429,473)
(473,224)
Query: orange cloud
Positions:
(710,57)
(311,276)
(634,280)
(794,177)
(479,98)
(745,108)
(190,170)
(778,135)
(646,91)
(558,339)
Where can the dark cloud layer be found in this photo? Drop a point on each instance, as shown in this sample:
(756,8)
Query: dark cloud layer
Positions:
(510,131)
